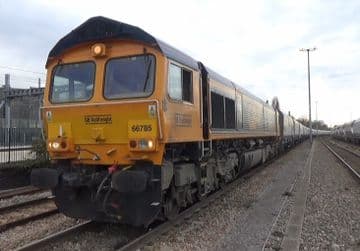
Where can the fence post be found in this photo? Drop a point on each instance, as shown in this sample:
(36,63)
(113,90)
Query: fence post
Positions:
(7,101)
(9,144)
(40,97)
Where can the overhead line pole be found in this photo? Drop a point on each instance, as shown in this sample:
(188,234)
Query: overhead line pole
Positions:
(308,58)
(317,120)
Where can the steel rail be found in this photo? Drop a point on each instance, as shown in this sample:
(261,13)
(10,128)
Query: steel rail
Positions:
(41,243)
(18,191)
(25,220)
(26,203)
(353,171)
(346,149)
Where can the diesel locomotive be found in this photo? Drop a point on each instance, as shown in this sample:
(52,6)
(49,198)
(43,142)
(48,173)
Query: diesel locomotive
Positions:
(137,130)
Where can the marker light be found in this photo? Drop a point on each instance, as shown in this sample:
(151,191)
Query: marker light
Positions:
(98,50)
(133,143)
(63,144)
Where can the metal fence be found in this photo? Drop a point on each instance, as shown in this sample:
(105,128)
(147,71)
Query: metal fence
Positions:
(16,144)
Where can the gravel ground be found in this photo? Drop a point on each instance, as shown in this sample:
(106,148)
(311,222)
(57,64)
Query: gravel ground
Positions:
(332,216)
(102,237)
(208,228)
(22,198)
(278,230)
(26,211)
(21,235)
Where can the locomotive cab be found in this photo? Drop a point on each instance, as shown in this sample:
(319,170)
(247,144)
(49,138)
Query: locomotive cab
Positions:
(103,110)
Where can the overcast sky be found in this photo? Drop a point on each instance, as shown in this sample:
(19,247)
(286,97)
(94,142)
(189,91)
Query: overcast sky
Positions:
(254,43)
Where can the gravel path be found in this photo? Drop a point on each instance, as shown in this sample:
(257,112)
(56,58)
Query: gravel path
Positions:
(210,228)
(332,216)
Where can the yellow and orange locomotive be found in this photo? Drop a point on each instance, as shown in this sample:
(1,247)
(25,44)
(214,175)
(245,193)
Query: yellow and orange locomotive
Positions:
(137,130)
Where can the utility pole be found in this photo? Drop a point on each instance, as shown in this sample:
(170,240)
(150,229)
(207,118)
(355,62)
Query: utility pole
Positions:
(317,121)
(308,58)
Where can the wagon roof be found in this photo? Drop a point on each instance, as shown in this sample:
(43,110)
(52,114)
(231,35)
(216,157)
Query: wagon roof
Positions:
(102,28)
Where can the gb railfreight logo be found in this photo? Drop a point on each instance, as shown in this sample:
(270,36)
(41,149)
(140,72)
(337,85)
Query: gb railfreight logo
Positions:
(98,119)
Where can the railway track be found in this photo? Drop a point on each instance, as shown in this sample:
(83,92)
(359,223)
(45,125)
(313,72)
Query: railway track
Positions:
(25,203)
(4,194)
(355,149)
(347,157)
(18,214)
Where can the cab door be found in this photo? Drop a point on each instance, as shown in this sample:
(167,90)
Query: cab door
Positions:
(183,105)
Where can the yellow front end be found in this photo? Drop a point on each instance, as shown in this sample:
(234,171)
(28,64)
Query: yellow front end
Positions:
(103,131)
(119,133)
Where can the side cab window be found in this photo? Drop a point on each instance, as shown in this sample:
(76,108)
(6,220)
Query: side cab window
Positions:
(180,86)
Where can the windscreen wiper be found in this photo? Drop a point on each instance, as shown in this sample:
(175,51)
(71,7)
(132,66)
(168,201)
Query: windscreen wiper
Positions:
(147,75)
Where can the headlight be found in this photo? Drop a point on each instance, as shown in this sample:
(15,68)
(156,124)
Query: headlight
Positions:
(146,144)
(142,145)
(150,144)
(55,145)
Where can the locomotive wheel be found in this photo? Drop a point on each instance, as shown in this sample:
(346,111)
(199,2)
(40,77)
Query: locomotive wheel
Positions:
(171,207)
